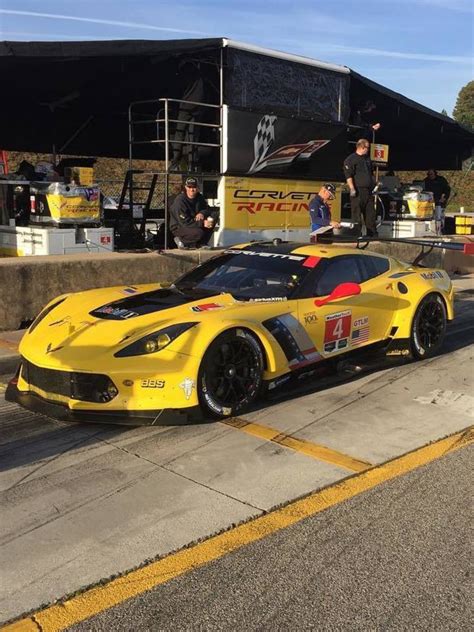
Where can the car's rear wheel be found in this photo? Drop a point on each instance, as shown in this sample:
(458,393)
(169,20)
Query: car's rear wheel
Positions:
(429,327)
(231,373)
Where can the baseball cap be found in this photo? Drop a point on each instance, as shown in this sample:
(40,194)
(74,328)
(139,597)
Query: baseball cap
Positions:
(191,182)
(332,190)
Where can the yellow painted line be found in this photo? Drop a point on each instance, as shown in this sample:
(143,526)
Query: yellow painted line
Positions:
(3,386)
(302,446)
(95,600)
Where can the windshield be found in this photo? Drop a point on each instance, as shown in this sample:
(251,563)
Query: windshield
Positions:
(247,275)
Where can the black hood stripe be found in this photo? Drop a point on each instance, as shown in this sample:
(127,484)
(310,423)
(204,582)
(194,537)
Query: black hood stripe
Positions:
(140,304)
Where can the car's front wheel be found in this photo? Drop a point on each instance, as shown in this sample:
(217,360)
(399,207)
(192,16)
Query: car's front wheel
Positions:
(231,373)
(429,327)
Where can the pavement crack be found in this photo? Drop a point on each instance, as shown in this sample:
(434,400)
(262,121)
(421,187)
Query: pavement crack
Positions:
(38,625)
(47,461)
(93,499)
(187,478)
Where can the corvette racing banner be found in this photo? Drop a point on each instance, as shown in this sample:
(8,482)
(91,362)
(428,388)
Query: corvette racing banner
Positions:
(267,144)
(259,203)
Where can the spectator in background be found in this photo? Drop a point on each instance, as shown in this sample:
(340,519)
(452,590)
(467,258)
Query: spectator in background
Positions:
(438,186)
(441,191)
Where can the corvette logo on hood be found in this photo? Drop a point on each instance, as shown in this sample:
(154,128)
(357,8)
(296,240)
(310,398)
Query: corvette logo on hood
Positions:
(116,312)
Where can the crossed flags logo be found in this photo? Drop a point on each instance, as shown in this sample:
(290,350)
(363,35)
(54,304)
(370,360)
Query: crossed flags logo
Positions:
(264,139)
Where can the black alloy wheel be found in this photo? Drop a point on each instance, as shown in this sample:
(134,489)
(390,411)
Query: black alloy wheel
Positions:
(428,327)
(231,373)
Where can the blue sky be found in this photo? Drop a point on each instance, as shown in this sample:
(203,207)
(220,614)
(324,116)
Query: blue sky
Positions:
(420,48)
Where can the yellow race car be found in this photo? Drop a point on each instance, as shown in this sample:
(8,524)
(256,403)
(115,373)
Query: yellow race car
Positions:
(208,345)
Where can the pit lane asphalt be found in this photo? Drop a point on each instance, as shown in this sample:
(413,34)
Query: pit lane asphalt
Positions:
(395,558)
(83,502)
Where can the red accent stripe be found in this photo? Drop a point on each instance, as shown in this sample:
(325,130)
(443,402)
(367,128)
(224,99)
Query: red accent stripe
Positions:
(311,262)
(208,306)
(468,249)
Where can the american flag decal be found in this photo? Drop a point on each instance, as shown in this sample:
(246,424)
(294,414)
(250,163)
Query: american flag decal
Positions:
(359,336)
(294,340)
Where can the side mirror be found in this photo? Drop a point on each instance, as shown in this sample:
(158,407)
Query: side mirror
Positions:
(343,290)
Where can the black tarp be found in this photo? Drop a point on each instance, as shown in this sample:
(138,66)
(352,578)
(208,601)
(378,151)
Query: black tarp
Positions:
(419,138)
(55,91)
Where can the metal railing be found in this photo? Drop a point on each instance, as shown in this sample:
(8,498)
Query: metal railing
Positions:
(172,130)
(185,119)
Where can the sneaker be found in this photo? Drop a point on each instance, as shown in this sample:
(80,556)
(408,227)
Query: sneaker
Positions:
(179,243)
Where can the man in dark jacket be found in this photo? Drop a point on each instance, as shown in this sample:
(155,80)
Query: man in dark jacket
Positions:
(358,173)
(438,186)
(191,221)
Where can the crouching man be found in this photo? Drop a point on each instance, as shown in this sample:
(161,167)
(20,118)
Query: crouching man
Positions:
(191,219)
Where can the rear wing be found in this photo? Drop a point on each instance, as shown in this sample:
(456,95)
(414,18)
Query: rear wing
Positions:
(426,245)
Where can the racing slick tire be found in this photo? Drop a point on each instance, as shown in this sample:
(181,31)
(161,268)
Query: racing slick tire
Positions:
(428,327)
(231,373)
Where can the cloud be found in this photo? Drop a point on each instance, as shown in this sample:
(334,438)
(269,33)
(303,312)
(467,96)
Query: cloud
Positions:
(376,52)
(464,6)
(35,36)
(138,25)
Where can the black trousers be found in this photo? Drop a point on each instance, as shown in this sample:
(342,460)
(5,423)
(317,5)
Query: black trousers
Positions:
(362,206)
(193,236)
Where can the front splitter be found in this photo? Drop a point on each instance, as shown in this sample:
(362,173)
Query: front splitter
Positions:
(164,417)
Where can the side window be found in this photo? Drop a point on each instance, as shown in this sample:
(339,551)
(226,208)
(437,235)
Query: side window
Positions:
(339,270)
(373,266)
(382,265)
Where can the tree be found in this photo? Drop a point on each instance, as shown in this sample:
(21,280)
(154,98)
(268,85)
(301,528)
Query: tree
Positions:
(463,111)
(443,111)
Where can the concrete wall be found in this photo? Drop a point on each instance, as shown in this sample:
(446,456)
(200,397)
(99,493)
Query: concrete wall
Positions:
(28,283)
(453,261)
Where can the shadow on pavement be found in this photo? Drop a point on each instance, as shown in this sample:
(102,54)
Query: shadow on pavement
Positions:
(34,439)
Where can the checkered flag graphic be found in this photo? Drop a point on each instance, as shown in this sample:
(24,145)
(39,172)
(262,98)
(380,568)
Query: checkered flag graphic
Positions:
(264,139)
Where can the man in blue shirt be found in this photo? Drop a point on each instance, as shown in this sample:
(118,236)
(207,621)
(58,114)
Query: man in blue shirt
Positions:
(319,210)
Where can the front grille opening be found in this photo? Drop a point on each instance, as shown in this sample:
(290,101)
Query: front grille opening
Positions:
(86,387)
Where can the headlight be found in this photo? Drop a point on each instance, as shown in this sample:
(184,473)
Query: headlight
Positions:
(44,313)
(154,342)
